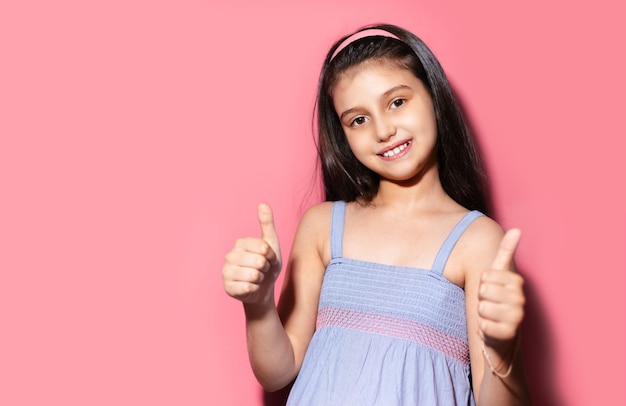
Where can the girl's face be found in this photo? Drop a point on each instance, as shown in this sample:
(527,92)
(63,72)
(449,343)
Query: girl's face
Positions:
(389,121)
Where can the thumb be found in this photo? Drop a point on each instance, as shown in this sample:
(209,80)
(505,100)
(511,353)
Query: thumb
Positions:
(506,251)
(268,230)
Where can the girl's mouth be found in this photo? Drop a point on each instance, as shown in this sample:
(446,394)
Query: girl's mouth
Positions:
(397,150)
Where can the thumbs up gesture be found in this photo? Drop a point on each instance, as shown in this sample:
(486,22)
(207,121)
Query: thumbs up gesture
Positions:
(253,264)
(500,294)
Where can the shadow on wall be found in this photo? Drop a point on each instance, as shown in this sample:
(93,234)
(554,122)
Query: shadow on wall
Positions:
(538,350)
(537,343)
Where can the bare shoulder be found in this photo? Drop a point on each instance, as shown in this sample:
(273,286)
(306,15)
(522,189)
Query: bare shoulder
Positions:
(316,219)
(484,230)
(314,228)
(318,212)
(479,243)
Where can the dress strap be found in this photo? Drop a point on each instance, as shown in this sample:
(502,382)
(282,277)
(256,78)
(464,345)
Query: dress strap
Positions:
(451,240)
(336,229)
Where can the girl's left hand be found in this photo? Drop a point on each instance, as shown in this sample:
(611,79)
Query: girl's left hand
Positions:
(501,297)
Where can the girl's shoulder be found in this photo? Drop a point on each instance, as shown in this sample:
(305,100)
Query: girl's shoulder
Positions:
(317,217)
(485,230)
(314,228)
(474,251)
(319,210)
(479,243)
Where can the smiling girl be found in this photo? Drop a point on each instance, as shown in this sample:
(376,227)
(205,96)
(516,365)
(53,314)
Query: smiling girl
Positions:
(399,289)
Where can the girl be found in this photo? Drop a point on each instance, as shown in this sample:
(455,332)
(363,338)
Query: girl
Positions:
(398,290)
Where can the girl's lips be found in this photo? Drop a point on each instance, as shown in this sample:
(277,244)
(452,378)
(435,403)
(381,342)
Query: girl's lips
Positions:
(396,150)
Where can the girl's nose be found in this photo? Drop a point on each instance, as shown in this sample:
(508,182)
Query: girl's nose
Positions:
(385,129)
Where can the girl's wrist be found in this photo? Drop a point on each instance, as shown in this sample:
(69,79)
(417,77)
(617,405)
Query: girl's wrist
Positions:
(503,364)
(259,310)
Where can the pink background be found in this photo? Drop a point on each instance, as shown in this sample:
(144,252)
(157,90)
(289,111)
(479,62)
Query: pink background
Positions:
(138,136)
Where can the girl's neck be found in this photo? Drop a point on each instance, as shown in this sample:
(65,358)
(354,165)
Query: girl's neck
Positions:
(427,193)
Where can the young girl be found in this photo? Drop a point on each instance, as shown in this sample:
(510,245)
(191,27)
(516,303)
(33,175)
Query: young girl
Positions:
(398,290)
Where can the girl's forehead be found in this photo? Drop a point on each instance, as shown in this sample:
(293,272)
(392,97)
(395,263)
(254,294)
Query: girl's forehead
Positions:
(372,76)
(373,66)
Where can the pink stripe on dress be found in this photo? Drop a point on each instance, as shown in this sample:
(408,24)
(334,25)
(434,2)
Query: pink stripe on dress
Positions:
(397,327)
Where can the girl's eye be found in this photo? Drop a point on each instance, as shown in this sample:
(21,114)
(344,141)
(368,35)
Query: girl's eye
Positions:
(397,103)
(358,121)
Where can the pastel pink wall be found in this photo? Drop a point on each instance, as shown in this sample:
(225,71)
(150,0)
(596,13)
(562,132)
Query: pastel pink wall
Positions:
(138,136)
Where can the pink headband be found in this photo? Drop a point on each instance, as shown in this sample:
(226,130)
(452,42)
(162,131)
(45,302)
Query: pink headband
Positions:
(370,32)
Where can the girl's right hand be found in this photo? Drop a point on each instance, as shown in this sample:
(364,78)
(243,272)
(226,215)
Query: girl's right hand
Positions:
(252,266)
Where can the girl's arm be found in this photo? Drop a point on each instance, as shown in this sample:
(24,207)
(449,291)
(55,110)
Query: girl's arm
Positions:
(276,345)
(495,310)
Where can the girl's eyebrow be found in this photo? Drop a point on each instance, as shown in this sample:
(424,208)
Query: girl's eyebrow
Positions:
(393,89)
(386,94)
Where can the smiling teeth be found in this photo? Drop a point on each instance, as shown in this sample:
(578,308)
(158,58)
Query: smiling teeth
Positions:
(396,150)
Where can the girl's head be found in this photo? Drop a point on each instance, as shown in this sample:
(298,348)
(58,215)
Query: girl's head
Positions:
(344,177)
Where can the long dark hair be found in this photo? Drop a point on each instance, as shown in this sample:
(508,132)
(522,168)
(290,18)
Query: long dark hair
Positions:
(343,176)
